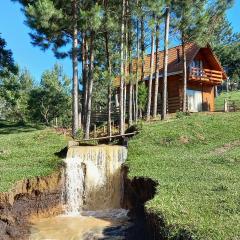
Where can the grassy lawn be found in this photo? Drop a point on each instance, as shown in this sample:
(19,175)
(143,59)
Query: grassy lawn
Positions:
(27,151)
(196,161)
(232,96)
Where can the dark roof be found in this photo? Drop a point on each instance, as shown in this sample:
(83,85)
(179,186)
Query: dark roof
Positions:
(175,60)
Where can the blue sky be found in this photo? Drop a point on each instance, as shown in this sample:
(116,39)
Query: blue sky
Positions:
(15,32)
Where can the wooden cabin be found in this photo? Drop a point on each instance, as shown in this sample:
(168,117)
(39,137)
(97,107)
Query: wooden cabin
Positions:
(204,74)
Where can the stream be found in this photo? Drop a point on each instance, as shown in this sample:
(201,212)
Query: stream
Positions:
(112,224)
(91,198)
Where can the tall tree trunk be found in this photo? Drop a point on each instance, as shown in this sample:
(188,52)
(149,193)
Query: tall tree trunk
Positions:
(134,102)
(165,64)
(122,124)
(130,103)
(130,107)
(109,69)
(142,47)
(109,128)
(124,103)
(156,88)
(80,115)
(126,61)
(75,71)
(85,78)
(184,106)
(137,73)
(149,103)
(90,87)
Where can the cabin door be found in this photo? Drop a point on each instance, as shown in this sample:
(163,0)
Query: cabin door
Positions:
(194,100)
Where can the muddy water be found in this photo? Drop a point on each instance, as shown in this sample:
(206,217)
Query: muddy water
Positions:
(93,178)
(90,226)
(91,197)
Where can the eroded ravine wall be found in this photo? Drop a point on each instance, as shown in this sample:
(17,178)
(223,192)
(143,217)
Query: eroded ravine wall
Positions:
(40,196)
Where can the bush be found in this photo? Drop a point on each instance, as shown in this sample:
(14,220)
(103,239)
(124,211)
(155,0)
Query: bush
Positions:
(180,114)
(80,134)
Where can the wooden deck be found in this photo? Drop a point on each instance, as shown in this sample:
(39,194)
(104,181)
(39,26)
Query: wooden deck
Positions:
(206,76)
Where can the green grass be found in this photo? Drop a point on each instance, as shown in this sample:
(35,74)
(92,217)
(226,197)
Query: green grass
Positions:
(232,96)
(27,151)
(196,161)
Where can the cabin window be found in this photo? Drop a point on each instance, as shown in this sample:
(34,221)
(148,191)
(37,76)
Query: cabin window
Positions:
(197,63)
(198,67)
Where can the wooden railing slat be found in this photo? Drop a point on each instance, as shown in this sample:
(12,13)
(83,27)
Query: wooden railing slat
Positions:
(203,74)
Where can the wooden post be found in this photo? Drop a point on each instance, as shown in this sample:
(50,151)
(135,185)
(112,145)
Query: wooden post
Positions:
(56,121)
(227,85)
(225,105)
(216,91)
(95,131)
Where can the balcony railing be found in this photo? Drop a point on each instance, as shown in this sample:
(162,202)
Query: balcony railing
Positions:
(206,75)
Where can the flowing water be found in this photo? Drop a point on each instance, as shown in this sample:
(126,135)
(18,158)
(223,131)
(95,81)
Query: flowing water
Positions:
(91,197)
(93,178)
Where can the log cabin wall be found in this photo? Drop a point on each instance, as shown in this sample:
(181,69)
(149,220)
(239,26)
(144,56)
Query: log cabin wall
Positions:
(174,101)
(212,76)
(207,90)
(174,98)
(175,94)
(207,94)
(208,98)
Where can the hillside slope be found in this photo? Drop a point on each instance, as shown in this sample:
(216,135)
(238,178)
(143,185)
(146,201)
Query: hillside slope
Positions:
(233,96)
(196,161)
(27,151)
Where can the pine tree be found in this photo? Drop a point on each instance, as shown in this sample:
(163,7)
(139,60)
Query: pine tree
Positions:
(137,71)
(54,24)
(7,64)
(165,65)
(156,87)
(187,14)
(90,86)
(75,68)
(109,70)
(130,63)
(225,42)
(151,75)
(192,19)
(122,78)
(84,78)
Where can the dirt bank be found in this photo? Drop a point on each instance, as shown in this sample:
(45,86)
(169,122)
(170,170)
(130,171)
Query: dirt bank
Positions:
(40,196)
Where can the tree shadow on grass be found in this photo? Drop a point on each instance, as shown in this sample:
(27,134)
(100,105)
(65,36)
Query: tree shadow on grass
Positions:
(7,127)
(62,153)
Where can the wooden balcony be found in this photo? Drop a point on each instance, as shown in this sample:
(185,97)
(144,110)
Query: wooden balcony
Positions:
(207,76)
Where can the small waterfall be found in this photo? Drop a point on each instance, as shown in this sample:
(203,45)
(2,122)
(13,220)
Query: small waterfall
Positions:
(74,186)
(93,178)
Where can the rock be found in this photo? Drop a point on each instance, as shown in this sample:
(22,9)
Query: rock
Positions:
(72,144)
(7,218)
(13,232)
(3,226)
